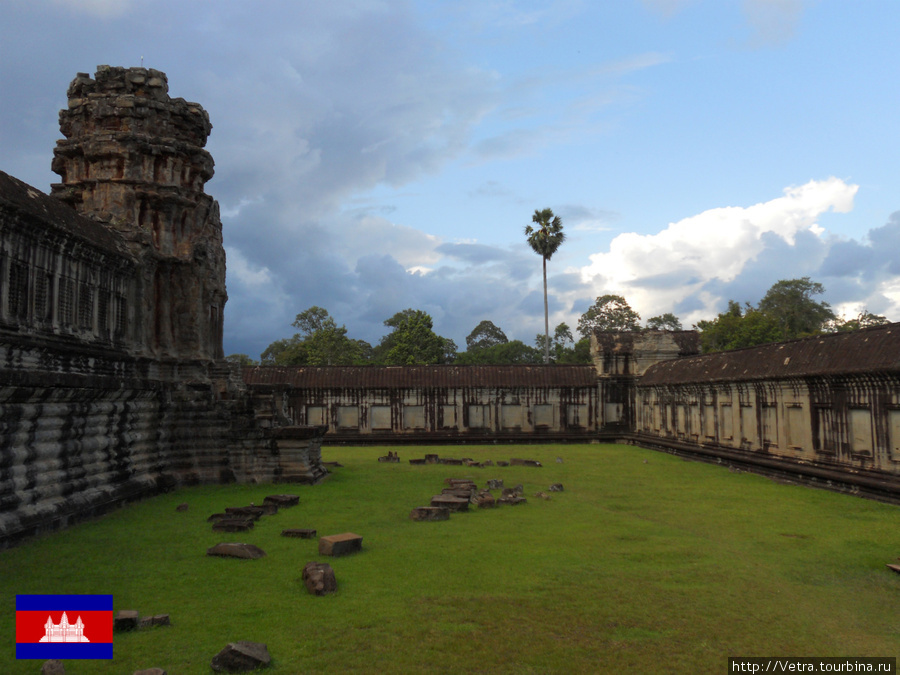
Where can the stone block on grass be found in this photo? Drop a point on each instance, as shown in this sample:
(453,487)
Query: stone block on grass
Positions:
(254,512)
(282,501)
(524,462)
(340,544)
(236,550)
(182,507)
(233,525)
(319,578)
(53,667)
(299,533)
(451,502)
(150,671)
(430,513)
(125,619)
(241,657)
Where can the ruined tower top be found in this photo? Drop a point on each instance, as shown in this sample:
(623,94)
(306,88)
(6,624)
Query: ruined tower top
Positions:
(122,129)
(134,158)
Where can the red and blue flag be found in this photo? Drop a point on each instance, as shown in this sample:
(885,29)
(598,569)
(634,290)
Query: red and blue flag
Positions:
(64,626)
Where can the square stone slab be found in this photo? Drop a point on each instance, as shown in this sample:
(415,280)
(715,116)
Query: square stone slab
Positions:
(340,544)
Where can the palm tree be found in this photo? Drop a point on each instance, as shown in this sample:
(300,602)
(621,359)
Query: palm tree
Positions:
(544,240)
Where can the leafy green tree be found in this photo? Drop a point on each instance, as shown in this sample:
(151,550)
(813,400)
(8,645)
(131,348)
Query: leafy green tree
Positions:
(864,319)
(790,304)
(561,344)
(505,353)
(736,328)
(412,341)
(485,334)
(285,352)
(609,313)
(320,342)
(667,321)
(242,360)
(544,240)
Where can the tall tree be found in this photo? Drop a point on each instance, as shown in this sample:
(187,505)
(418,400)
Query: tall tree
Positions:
(544,240)
(412,341)
(609,313)
(865,319)
(667,321)
(320,342)
(485,334)
(789,302)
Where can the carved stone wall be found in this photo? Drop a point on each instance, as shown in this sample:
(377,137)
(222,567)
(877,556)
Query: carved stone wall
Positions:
(111,383)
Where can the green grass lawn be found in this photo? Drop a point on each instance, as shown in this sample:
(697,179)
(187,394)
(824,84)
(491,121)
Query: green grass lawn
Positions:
(644,564)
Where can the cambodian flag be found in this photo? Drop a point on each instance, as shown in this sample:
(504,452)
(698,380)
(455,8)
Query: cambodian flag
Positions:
(64,626)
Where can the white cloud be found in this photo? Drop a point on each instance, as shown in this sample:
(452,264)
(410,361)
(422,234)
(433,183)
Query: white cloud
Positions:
(657,271)
(773,21)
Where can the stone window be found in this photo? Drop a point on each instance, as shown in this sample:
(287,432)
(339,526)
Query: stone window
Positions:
(380,417)
(770,425)
(66,301)
(543,415)
(748,424)
(121,315)
(894,433)
(85,307)
(102,312)
(860,430)
(822,418)
(709,421)
(18,291)
(41,296)
(797,427)
(448,416)
(511,416)
(727,422)
(577,415)
(414,417)
(479,416)
(348,417)
(315,414)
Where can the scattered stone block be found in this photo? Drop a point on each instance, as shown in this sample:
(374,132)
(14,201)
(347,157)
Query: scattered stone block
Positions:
(254,512)
(524,462)
(501,462)
(218,516)
(233,525)
(432,459)
(282,501)
(513,491)
(451,502)
(157,620)
(236,550)
(181,507)
(241,657)
(484,500)
(125,619)
(895,568)
(495,484)
(542,495)
(392,457)
(460,482)
(450,461)
(53,667)
(465,493)
(299,533)
(269,509)
(559,460)
(430,513)
(150,671)
(556,487)
(417,461)
(487,462)
(513,500)
(340,544)
(319,578)
(333,465)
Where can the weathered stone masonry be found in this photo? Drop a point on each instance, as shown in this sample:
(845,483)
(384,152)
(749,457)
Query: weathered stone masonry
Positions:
(112,385)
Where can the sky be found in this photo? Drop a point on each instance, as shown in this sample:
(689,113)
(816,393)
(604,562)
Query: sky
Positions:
(373,156)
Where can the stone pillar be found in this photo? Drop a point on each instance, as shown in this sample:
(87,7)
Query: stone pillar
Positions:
(134,158)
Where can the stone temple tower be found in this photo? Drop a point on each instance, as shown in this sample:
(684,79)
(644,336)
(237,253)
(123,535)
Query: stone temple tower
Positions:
(134,158)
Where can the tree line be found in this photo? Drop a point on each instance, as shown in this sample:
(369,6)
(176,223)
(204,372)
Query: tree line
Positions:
(788,310)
